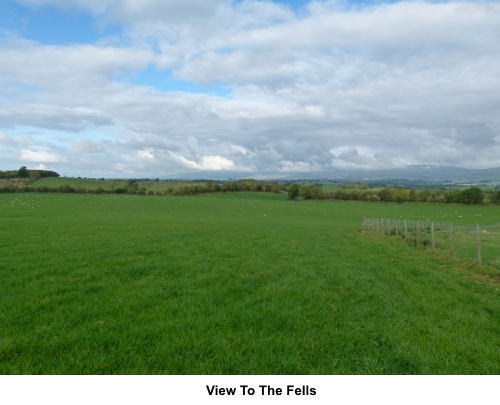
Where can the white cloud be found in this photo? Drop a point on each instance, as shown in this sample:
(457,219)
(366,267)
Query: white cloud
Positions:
(41,166)
(145,154)
(209,163)
(91,5)
(87,146)
(362,87)
(40,156)
(12,140)
(289,166)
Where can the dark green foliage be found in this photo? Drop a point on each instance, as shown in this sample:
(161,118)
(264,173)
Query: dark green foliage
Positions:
(23,172)
(454,196)
(385,195)
(66,189)
(293,191)
(473,195)
(412,197)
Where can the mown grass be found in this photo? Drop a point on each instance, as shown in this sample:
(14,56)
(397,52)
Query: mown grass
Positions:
(242,283)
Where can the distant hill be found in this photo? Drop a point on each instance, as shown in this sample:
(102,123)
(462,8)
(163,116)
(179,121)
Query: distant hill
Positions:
(410,173)
(223,175)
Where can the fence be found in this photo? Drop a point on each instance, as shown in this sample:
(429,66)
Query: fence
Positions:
(476,242)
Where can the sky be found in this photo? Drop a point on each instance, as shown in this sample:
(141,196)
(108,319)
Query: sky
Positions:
(152,88)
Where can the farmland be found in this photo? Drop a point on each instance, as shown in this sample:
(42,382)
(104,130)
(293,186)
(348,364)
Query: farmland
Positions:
(239,283)
(155,186)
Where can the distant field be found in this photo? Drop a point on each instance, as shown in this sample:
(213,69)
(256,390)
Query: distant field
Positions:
(240,283)
(105,185)
(73,182)
(161,186)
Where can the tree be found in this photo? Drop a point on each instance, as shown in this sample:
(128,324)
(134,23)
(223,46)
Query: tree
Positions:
(454,196)
(23,172)
(133,187)
(424,196)
(317,192)
(293,191)
(248,185)
(494,197)
(66,189)
(305,192)
(412,196)
(473,195)
(400,195)
(385,194)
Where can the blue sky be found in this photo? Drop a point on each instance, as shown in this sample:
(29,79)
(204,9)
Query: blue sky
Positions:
(155,87)
(51,25)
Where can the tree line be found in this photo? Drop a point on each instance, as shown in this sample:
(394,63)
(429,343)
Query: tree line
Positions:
(25,173)
(135,187)
(472,195)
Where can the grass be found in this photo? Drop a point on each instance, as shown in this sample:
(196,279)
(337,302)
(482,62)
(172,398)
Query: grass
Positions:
(242,283)
(76,182)
(464,219)
(155,186)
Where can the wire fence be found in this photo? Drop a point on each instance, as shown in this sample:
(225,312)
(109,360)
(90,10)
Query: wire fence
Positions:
(480,243)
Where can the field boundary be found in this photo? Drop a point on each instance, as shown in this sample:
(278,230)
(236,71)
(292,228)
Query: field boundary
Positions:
(473,241)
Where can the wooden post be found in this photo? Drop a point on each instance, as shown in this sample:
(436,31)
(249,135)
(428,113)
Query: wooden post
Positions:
(406,230)
(377,225)
(451,239)
(397,222)
(388,228)
(478,237)
(418,235)
(432,235)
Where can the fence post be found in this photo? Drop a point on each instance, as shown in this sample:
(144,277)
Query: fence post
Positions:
(432,235)
(406,230)
(418,234)
(451,239)
(377,225)
(397,222)
(478,237)
(388,228)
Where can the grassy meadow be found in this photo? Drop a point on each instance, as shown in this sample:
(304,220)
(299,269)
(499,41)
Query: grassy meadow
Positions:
(76,182)
(155,186)
(240,283)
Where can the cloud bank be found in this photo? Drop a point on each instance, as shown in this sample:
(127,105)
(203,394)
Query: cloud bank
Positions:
(331,85)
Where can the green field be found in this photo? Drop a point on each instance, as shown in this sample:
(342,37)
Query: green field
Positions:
(155,186)
(240,283)
(75,182)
